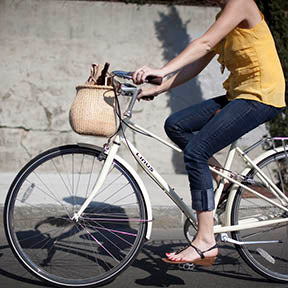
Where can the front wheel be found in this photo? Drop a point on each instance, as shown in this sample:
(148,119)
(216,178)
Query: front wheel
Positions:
(270,259)
(39,222)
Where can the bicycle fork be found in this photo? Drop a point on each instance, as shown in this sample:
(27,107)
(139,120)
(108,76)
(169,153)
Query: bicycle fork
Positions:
(101,178)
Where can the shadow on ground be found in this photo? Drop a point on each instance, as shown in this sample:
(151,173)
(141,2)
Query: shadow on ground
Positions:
(149,270)
(228,264)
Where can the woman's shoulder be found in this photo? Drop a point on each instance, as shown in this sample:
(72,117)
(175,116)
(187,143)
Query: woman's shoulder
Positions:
(245,9)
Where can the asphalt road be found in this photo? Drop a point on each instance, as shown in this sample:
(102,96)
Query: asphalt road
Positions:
(149,271)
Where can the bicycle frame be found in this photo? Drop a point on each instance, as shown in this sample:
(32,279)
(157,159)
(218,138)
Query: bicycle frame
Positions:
(188,212)
(47,224)
(227,227)
(120,137)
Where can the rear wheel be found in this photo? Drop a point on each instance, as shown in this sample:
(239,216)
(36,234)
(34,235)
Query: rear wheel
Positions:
(271,259)
(39,221)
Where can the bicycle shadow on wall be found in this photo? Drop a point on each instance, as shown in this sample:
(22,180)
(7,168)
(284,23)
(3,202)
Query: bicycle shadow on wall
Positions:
(172,32)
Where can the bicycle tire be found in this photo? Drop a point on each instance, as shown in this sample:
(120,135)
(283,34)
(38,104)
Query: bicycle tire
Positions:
(57,249)
(269,260)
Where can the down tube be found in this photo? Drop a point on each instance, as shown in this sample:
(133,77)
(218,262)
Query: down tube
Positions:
(161,182)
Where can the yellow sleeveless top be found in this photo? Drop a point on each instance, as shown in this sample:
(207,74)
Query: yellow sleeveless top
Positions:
(255,69)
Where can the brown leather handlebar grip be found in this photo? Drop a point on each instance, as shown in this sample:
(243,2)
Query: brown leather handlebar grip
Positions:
(154,80)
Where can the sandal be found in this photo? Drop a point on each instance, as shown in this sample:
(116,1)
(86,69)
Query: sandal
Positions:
(203,261)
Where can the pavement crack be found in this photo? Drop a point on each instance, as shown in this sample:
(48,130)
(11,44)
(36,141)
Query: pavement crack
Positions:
(32,129)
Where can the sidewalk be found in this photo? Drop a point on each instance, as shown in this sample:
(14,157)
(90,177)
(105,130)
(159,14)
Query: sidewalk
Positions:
(165,212)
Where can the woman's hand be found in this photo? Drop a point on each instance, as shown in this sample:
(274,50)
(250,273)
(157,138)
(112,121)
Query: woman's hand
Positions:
(147,94)
(140,75)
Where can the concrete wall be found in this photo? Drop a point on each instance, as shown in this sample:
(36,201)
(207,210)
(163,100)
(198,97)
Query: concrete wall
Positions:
(46,48)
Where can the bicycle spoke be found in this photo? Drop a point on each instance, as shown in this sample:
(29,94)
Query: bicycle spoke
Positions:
(268,259)
(48,194)
(75,253)
(102,246)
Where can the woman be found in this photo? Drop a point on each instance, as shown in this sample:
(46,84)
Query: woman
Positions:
(255,94)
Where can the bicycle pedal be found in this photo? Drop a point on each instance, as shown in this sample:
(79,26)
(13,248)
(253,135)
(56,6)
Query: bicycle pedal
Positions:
(266,255)
(187,266)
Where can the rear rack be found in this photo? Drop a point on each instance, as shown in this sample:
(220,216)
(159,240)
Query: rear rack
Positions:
(269,143)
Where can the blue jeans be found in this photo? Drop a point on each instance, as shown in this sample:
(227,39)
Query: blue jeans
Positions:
(201,132)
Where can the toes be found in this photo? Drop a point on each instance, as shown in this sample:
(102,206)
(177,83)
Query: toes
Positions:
(173,257)
(170,254)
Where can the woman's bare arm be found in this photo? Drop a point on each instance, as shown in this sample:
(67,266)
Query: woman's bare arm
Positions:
(234,13)
(181,77)
(188,72)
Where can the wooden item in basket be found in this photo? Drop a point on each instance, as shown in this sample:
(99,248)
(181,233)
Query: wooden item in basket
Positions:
(92,111)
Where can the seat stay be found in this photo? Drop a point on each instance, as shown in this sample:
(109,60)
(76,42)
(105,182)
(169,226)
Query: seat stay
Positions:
(250,190)
(265,179)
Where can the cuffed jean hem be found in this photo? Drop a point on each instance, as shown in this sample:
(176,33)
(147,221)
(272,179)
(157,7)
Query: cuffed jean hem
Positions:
(203,200)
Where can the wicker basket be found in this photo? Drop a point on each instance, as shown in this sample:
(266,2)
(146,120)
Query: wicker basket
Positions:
(92,111)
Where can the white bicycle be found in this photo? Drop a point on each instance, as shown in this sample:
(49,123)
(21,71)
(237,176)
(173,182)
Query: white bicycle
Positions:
(77,215)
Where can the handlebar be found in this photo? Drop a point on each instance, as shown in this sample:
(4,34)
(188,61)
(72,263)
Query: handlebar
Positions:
(128,75)
(129,89)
